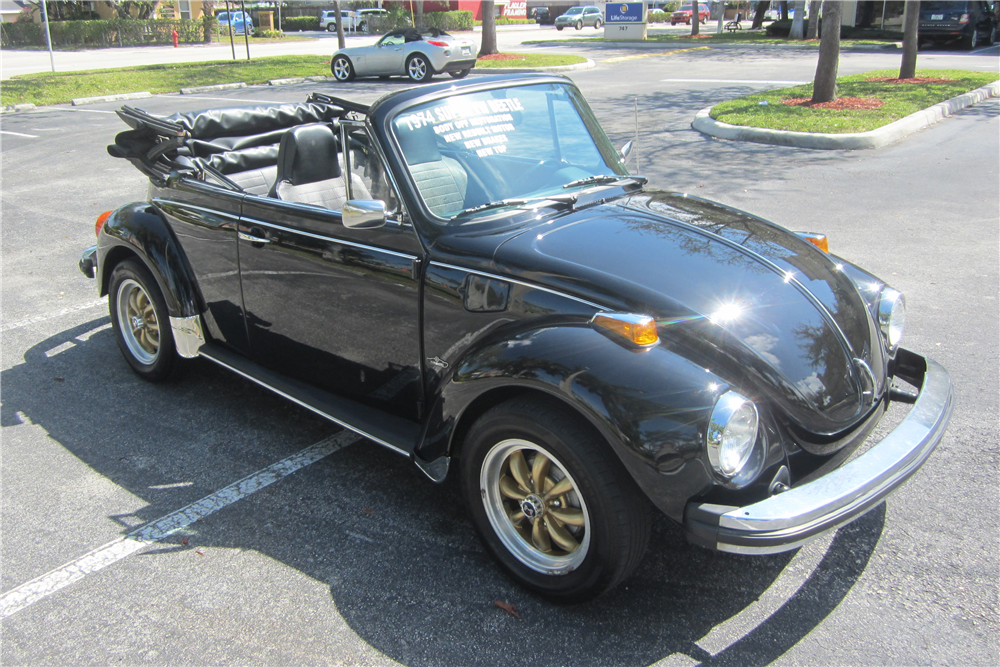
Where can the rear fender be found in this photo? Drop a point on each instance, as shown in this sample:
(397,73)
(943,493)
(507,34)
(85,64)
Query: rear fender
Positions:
(652,406)
(140,230)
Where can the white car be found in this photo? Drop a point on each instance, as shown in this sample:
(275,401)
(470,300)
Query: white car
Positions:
(418,54)
(328,20)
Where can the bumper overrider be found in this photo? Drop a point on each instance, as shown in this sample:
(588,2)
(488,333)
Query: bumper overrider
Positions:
(790,519)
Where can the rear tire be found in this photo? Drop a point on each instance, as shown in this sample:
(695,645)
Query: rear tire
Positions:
(342,69)
(331,27)
(559,27)
(598,24)
(972,40)
(418,68)
(572,546)
(460,74)
(579,25)
(141,323)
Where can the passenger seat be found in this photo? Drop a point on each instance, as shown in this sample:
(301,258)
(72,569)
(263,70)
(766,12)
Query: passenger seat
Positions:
(309,169)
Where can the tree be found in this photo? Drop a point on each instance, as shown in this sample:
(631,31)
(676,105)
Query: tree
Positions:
(911,19)
(784,9)
(758,17)
(798,30)
(341,41)
(825,83)
(489,45)
(143,10)
(420,13)
(695,18)
(812,28)
(208,21)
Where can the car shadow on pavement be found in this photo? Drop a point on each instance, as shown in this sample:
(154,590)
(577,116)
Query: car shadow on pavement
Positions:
(404,568)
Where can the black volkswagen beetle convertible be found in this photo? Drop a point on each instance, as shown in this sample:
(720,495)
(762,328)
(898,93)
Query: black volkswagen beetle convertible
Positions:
(467,274)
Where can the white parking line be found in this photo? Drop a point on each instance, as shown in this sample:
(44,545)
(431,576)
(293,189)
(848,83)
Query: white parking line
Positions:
(49,316)
(18,134)
(764,81)
(37,589)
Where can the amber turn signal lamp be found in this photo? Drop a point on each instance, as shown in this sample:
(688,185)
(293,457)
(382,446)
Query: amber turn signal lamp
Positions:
(818,240)
(637,329)
(101,219)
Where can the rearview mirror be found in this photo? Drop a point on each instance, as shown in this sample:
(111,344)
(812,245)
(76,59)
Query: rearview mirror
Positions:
(363,213)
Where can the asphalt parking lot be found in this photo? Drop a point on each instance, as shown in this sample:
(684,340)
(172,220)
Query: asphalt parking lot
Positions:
(347,554)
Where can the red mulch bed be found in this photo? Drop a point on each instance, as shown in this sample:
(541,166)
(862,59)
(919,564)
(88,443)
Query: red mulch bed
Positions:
(502,56)
(916,79)
(841,103)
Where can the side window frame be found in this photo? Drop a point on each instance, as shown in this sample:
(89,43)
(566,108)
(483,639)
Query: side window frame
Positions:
(400,215)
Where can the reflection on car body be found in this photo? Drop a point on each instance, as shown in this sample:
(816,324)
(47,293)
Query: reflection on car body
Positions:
(467,274)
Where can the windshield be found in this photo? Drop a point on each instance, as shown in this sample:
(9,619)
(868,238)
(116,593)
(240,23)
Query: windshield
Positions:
(466,151)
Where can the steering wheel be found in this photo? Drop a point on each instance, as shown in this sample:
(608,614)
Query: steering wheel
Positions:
(551,164)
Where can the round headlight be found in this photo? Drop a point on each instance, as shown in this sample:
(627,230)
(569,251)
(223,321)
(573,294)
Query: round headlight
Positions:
(732,433)
(891,316)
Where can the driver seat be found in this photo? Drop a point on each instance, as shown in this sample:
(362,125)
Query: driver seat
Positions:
(309,169)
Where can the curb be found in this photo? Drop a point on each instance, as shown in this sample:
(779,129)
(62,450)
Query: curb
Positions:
(589,64)
(211,89)
(299,79)
(648,44)
(876,138)
(14,108)
(111,98)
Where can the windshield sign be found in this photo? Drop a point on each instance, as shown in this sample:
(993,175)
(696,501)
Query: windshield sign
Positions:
(467,151)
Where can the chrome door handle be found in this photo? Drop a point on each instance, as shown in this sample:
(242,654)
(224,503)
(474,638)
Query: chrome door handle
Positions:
(252,239)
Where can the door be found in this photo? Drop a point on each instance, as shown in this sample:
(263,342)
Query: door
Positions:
(331,306)
(387,55)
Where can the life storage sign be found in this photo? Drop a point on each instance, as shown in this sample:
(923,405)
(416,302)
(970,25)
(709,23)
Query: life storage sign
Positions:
(625,20)
(624,12)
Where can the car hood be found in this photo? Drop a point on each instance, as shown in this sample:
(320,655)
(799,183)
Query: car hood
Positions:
(752,302)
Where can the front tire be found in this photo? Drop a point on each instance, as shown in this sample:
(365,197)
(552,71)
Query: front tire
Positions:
(552,501)
(331,27)
(141,323)
(559,27)
(418,68)
(579,25)
(342,69)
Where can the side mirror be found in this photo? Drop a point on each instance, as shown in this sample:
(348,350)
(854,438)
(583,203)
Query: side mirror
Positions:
(363,213)
(625,150)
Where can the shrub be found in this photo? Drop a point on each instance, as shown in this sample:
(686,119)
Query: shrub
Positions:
(300,23)
(458,20)
(783,28)
(113,32)
(269,34)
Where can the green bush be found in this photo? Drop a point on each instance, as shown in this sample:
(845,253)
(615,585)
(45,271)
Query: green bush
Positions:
(113,32)
(300,23)
(269,34)
(458,20)
(784,28)
(503,20)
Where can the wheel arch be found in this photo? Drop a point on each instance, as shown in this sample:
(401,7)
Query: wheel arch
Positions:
(139,231)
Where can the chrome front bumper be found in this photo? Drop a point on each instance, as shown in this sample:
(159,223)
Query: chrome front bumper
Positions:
(790,519)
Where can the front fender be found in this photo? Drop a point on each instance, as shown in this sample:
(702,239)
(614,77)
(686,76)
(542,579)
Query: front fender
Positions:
(139,229)
(652,405)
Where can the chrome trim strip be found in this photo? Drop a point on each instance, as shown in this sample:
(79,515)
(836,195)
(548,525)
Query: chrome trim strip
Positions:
(521,282)
(787,520)
(188,335)
(307,406)
(252,221)
(159,200)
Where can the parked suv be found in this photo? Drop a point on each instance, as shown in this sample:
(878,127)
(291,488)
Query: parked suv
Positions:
(683,15)
(328,20)
(579,17)
(971,22)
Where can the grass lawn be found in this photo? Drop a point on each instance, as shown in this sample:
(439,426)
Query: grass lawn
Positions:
(61,87)
(528,60)
(899,100)
(741,37)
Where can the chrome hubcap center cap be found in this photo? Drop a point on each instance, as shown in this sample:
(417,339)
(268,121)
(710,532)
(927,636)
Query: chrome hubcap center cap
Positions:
(137,323)
(533,507)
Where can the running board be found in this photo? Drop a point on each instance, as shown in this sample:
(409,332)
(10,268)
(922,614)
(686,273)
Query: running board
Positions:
(399,435)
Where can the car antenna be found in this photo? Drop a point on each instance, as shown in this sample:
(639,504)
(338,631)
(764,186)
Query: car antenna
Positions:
(637,135)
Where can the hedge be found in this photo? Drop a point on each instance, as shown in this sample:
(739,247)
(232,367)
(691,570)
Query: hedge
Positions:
(299,23)
(784,28)
(458,20)
(113,32)
(503,20)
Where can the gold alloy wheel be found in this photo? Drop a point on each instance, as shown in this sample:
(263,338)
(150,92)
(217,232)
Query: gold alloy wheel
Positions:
(535,507)
(137,321)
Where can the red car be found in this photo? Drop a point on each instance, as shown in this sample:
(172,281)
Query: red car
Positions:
(683,15)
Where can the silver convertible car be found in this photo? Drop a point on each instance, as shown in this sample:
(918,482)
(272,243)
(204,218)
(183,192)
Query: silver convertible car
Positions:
(418,54)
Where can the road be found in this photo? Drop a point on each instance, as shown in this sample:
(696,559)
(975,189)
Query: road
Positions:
(356,558)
